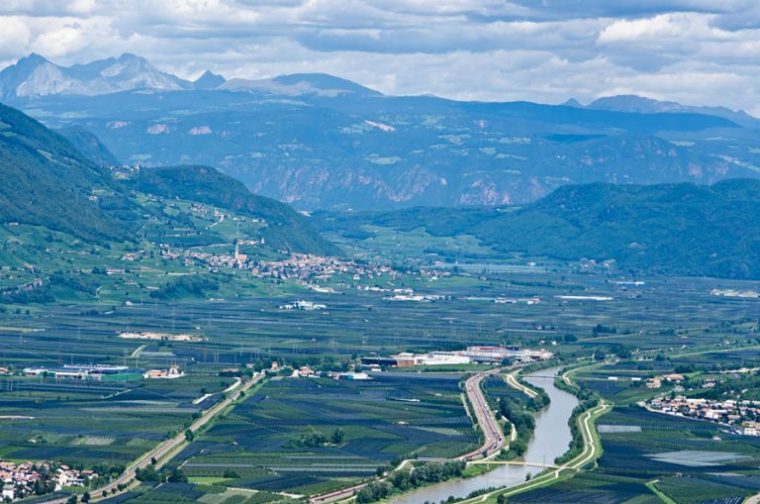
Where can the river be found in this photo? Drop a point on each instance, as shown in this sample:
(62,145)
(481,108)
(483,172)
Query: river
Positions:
(551,439)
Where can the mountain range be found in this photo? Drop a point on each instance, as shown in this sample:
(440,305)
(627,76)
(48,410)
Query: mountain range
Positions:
(682,229)
(321,142)
(668,229)
(34,76)
(48,182)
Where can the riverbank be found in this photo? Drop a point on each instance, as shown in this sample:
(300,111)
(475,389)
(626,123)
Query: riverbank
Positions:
(591,451)
(591,448)
(551,438)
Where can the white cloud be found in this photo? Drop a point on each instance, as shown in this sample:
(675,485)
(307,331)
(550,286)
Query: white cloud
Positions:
(697,51)
(14,34)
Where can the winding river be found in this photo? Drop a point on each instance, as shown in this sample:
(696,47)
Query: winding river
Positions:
(550,439)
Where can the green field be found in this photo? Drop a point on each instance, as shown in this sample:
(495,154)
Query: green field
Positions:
(91,423)
(266,444)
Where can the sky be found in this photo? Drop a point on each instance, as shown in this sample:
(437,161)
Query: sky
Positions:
(697,52)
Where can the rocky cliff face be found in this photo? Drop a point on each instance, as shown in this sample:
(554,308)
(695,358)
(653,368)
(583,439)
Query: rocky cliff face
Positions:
(34,76)
(318,141)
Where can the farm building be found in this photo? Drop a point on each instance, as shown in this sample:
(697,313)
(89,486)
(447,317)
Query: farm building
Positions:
(172,373)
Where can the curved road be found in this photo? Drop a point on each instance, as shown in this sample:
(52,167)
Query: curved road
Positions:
(163,449)
(493,438)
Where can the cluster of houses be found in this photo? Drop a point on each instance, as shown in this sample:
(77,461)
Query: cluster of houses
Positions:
(742,417)
(657,381)
(25,479)
(307,372)
(172,373)
(295,266)
(307,266)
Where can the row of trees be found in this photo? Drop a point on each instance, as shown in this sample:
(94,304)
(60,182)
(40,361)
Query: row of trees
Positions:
(175,475)
(588,399)
(401,481)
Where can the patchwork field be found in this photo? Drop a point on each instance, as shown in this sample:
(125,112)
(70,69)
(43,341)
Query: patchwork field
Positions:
(651,329)
(264,443)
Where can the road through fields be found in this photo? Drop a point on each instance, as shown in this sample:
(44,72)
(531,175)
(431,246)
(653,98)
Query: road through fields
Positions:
(162,451)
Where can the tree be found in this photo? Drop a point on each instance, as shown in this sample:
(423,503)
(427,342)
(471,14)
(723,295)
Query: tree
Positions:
(338,436)
(229,473)
(177,476)
(147,474)
(189,435)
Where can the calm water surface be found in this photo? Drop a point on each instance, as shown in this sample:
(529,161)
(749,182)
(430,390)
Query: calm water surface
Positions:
(550,440)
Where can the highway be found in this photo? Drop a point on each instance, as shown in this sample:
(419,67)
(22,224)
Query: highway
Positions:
(163,451)
(337,495)
(493,438)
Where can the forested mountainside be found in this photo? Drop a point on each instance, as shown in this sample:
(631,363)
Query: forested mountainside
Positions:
(675,229)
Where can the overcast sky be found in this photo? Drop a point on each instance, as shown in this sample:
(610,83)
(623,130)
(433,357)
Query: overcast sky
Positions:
(693,51)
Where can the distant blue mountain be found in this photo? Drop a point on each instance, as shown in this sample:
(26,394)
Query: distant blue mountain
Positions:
(208,80)
(639,104)
(319,141)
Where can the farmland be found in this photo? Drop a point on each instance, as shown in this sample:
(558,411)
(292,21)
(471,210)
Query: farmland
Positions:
(650,454)
(92,423)
(260,445)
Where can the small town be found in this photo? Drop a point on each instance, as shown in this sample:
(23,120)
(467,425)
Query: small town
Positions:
(742,417)
(295,266)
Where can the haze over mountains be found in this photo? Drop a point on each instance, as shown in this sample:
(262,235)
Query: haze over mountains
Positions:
(668,229)
(48,182)
(318,141)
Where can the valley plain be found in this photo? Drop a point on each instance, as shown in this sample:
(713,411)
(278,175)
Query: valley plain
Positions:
(226,291)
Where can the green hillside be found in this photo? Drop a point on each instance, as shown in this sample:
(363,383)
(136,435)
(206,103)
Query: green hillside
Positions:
(49,182)
(285,228)
(89,145)
(73,230)
(680,229)
(46,181)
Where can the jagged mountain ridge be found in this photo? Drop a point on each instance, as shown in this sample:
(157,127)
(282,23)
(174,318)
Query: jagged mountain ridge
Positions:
(36,76)
(318,141)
